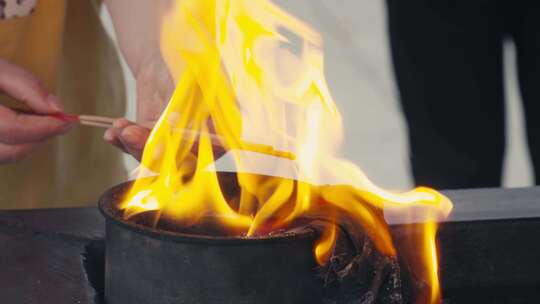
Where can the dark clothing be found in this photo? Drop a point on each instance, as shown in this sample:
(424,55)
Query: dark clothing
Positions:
(448,60)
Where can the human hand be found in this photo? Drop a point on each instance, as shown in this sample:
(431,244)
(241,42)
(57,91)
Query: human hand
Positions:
(128,136)
(131,138)
(21,133)
(154,87)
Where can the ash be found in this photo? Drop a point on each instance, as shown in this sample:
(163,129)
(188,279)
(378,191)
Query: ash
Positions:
(361,275)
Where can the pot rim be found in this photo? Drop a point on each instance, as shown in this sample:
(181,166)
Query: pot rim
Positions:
(105,207)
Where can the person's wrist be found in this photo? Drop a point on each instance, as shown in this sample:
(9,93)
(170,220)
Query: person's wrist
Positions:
(154,88)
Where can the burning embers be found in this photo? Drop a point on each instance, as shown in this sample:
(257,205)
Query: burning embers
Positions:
(251,97)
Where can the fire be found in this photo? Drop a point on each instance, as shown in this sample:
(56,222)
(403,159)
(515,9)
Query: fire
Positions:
(248,73)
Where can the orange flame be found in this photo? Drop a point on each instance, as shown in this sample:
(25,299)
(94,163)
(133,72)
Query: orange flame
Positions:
(249,73)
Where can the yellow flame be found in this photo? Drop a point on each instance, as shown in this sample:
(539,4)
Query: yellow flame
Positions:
(250,78)
(432,263)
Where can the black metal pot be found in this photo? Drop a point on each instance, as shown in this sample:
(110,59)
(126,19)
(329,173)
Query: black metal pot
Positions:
(146,265)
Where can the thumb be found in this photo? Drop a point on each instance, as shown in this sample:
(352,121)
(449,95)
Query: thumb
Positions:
(27,88)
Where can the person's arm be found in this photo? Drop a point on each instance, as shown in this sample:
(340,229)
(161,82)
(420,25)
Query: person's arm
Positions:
(21,133)
(137,25)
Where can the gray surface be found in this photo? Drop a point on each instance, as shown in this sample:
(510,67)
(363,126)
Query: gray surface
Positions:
(37,269)
(495,204)
(42,255)
(480,205)
(67,223)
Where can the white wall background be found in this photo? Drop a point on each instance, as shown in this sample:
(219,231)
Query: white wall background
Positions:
(359,73)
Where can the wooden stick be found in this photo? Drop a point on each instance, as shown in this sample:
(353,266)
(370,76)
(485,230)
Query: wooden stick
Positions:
(95,124)
(87,120)
(101,119)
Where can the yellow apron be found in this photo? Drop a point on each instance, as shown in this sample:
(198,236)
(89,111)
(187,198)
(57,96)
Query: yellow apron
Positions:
(65,45)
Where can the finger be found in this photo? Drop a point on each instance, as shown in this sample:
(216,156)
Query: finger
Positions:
(122,123)
(24,86)
(16,153)
(134,139)
(16,128)
(112,135)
